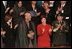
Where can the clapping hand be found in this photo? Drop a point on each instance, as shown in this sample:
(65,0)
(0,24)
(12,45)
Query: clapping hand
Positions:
(21,13)
(3,32)
(31,34)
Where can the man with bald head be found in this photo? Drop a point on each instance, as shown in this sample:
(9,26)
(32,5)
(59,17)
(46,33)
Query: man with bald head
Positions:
(26,32)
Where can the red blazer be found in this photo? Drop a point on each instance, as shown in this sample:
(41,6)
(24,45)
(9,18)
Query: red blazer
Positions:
(43,36)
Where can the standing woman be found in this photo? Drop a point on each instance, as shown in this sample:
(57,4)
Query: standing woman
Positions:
(18,12)
(44,33)
(35,11)
(60,29)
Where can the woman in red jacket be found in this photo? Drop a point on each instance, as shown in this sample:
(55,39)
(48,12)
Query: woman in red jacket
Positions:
(43,32)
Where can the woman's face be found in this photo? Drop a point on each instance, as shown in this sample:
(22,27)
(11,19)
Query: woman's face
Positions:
(43,20)
(20,4)
(59,18)
(33,2)
(63,2)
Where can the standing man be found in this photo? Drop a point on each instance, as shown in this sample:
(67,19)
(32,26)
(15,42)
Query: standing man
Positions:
(27,34)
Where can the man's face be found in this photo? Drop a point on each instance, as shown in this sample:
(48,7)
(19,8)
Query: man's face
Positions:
(45,5)
(28,16)
(7,17)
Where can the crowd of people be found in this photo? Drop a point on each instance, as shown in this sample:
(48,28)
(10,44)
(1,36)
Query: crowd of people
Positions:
(35,24)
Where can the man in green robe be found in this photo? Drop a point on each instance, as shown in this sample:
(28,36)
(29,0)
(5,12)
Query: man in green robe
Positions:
(26,33)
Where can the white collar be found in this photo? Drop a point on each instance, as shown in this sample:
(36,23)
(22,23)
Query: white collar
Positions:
(4,3)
